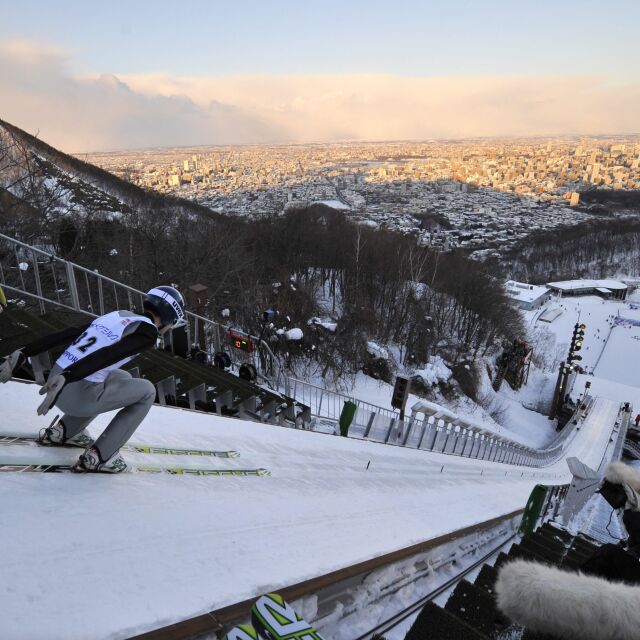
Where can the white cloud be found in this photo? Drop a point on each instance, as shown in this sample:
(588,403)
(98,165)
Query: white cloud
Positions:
(105,112)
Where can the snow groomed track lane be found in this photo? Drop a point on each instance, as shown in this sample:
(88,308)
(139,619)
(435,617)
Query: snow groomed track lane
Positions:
(136,553)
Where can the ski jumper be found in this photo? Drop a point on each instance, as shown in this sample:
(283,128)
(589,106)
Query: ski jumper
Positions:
(94,382)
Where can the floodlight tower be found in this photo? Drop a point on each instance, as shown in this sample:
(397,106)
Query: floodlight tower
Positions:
(566,368)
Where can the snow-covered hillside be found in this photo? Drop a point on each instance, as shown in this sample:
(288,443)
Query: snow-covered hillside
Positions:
(55,183)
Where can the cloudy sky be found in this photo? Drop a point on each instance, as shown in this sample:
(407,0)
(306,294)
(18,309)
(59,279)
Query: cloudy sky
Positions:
(93,75)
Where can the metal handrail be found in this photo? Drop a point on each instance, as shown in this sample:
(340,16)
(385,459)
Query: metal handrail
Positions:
(71,272)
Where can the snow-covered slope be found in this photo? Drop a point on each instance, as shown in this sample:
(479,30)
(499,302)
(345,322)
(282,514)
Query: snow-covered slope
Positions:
(93,556)
(60,184)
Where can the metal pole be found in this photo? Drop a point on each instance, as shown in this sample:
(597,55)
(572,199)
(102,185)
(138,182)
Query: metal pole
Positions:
(100,296)
(86,280)
(409,428)
(71,281)
(15,251)
(425,424)
(372,417)
(466,439)
(36,271)
(556,394)
(391,425)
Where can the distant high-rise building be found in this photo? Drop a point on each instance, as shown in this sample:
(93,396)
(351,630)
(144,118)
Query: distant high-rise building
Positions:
(185,165)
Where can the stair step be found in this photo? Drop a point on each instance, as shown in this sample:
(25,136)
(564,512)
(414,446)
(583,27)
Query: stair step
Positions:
(477,608)
(548,554)
(435,623)
(562,534)
(486,579)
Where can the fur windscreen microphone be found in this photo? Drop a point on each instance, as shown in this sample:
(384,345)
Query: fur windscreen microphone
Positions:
(613,493)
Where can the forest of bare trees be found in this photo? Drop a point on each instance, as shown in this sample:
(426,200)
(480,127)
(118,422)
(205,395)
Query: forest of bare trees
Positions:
(311,262)
(598,249)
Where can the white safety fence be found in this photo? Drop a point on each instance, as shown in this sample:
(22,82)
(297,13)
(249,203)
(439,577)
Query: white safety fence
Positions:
(442,435)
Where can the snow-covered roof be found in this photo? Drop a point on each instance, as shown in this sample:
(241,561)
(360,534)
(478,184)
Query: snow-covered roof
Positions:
(577,285)
(523,291)
(334,204)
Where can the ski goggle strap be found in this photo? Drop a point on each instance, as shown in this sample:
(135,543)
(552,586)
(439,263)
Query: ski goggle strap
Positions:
(177,307)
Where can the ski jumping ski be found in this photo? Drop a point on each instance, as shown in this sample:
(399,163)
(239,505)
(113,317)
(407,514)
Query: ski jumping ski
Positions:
(275,619)
(242,632)
(27,455)
(171,470)
(135,448)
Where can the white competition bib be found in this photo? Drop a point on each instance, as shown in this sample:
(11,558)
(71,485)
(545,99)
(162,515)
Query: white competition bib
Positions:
(102,332)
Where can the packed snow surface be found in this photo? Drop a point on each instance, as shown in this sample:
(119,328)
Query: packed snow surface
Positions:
(101,556)
(620,361)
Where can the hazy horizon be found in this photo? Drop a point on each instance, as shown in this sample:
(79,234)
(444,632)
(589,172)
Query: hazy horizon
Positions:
(541,137)
(142,75)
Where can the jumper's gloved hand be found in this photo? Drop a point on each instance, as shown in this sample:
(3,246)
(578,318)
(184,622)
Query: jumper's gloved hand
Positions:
(52,389)
(10,364)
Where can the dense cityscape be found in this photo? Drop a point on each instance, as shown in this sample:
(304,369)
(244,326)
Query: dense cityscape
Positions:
(479,194)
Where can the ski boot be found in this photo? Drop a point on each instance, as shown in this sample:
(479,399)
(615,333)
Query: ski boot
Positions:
(91,461)
(54,435)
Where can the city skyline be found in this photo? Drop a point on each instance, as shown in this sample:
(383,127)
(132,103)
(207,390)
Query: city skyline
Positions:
(482,196)
(156,75)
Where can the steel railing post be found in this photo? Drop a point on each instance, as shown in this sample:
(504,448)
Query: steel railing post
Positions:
(425,424)
(86,281)
(436,430)
(100,295)
(391,425)
(372,417)
(36,271)
(464,446)
(71,283)
(15,251)
(409,428)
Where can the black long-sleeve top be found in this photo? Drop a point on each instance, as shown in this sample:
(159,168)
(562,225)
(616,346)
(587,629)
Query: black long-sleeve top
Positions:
(142,338)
